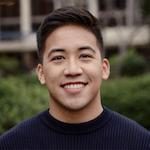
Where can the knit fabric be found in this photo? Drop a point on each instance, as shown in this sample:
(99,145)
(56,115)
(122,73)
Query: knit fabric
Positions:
(109,131)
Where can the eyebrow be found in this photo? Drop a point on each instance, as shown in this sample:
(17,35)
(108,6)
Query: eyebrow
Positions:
(54,50)
(87,48)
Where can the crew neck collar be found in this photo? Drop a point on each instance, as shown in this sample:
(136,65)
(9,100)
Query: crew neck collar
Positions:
(76,128)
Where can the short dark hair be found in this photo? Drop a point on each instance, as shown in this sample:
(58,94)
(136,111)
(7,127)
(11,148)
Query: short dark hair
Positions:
(64,16)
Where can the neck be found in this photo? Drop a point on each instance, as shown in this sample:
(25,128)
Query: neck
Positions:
(88,113)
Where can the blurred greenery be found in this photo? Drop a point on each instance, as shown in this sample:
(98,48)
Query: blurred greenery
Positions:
(22,96)
(8,65)
(145,5)
(129,96)
(131,64)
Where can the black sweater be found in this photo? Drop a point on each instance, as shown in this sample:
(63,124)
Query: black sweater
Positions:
(109,131)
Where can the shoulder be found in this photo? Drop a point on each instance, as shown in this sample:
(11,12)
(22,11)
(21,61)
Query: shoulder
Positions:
(126,122)
(21,131)
(129,129)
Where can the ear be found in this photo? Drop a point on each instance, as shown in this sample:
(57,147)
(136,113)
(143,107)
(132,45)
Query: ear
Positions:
(105,69)
(40,73)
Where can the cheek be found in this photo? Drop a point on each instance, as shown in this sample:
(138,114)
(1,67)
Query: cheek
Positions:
(52,74)
(95,76)
(94,70)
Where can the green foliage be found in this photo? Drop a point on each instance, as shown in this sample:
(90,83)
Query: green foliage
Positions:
(131,64)
(145,5)
(134,64)
(129,96)
(20,98)
(114,66)
(8,65)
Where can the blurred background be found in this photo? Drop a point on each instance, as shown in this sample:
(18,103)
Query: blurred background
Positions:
(126,31)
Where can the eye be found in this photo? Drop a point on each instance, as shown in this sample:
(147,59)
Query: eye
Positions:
(57,58)
(85,56)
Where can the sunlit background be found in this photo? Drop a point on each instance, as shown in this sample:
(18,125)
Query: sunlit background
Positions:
(126,30)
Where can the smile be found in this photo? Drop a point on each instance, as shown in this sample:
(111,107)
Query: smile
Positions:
(74,87)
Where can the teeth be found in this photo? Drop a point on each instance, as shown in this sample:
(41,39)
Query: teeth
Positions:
(73,86)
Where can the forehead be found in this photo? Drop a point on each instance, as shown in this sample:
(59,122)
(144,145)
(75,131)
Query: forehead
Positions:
(70,36)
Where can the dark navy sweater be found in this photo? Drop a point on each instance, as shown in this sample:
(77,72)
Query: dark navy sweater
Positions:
(109,131)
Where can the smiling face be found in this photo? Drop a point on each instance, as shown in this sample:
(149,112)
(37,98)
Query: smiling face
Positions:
(72,69)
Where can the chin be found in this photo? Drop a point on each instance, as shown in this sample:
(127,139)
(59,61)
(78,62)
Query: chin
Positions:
(75,107)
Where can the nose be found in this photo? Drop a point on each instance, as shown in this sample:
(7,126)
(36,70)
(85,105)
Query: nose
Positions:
(72,69)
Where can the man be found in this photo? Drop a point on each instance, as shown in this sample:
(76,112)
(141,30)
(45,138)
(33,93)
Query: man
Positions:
(72,66)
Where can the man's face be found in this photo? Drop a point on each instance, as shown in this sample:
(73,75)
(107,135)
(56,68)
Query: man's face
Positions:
(72,68)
